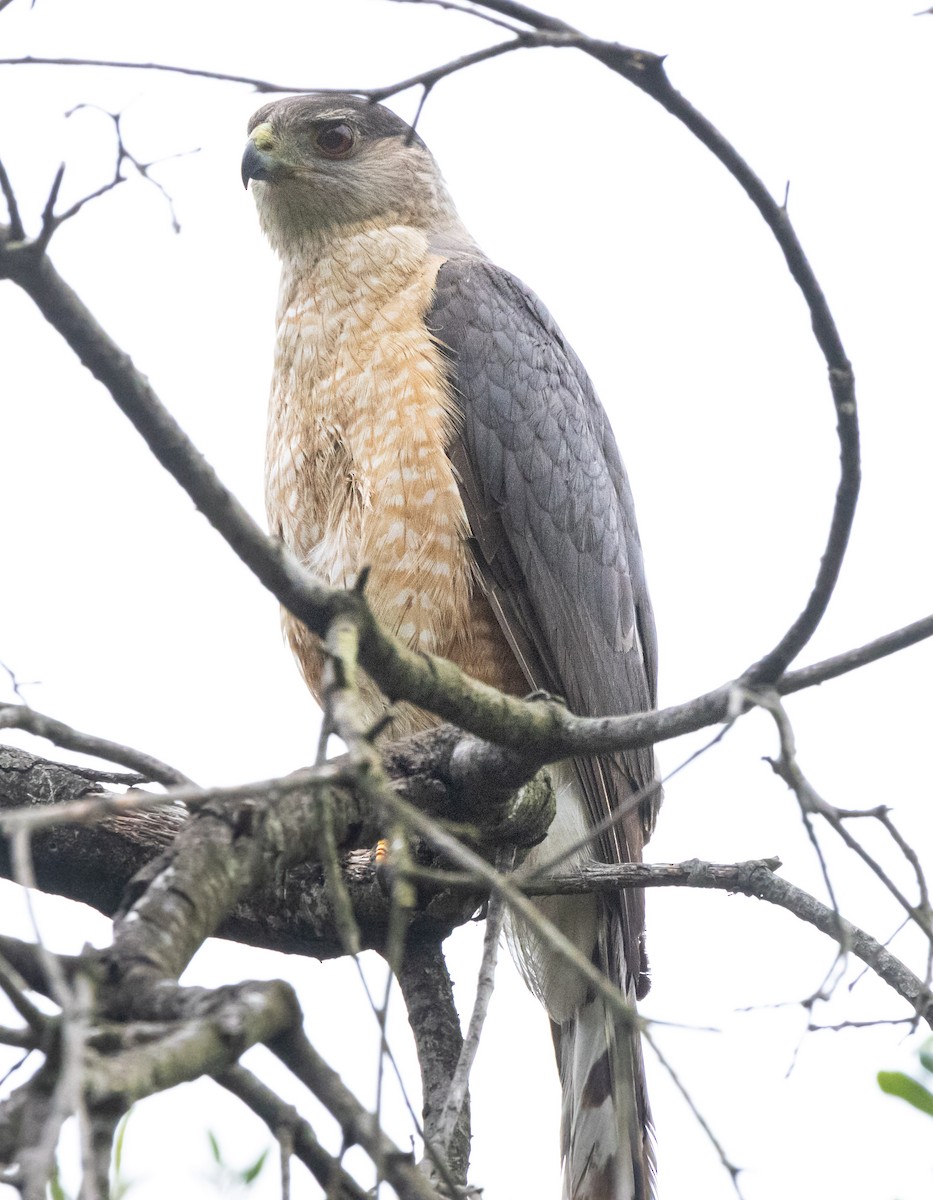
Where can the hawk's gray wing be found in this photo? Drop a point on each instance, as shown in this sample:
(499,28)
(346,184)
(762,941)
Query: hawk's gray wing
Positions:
(553,522)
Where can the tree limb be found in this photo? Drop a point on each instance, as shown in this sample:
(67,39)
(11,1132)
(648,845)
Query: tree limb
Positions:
(266,1104)
(755,878)
(429,1000)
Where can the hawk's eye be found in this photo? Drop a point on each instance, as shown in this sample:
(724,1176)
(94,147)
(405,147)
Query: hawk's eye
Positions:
(336,141)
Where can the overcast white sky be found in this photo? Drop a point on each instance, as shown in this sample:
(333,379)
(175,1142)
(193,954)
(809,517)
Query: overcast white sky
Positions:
(141,626)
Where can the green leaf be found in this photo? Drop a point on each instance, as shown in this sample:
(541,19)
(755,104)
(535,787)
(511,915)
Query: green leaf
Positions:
(896,1083)
(118,1142)
(250,1173)
(215,1148)
(926,1055)
(56,1191)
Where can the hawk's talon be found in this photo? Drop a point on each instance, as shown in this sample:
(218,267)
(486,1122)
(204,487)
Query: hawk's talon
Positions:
(382,866)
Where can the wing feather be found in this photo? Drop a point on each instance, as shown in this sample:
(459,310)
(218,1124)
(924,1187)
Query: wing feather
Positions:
(553,522)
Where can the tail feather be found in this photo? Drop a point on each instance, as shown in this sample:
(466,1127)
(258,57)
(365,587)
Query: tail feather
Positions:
(606,1139)
(605,1148)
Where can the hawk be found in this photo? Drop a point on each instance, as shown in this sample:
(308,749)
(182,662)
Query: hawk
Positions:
(429,421)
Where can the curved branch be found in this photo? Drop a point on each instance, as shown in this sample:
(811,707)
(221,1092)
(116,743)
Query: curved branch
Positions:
(429,683)
(536,732)
(646,71)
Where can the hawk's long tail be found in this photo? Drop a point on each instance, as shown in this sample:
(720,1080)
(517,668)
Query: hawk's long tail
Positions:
(606,1140)
(605,1144)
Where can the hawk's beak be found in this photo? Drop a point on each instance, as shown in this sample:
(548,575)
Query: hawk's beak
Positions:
(259,160)
(255,164)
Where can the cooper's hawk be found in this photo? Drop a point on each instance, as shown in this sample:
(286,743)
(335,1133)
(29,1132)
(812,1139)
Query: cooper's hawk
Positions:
(428,420)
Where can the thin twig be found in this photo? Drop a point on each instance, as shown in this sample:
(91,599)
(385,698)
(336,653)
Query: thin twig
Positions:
(124,155)
(427,79)
(260,85)
(278,1115)
(789,770)
(67,1097)
(485,982)
(853,660)
(724,1159)
(451,6)
(387,1050)
(811,802)
(21,716)
(21,1037)
(303,1060)
(914,859)
(862,1024)
(14,987)
(516,12)
(17,230)
(919,915)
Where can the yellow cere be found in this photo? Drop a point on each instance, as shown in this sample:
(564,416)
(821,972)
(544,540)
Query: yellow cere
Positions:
(262,137)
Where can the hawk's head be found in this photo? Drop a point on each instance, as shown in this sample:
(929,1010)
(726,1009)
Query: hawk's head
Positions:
(323,161)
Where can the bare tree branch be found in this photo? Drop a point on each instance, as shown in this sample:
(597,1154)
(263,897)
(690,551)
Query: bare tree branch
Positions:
(853,660)
(726,1162)
(427,990)
(427,79)
(94,862)
(20,716)
(515,12)
(787,767)
(260,85)
(278,1115)
(458,1091)
(755,878)
(14,987)
(25,1039)
(399,1168)
(17,230)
